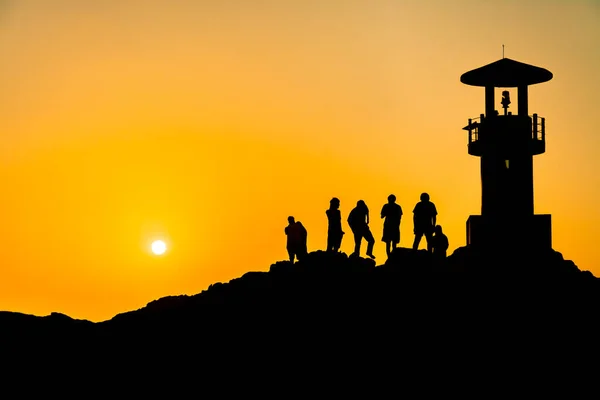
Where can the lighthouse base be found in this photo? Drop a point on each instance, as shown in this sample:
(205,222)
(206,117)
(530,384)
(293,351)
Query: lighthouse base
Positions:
(533,232)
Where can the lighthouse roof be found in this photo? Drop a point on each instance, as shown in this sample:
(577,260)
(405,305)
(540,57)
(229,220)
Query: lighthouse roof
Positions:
(506,73)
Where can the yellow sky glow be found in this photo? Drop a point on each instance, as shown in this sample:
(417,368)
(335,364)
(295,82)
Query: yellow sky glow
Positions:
(206,125)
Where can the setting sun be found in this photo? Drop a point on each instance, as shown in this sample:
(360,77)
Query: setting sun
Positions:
(159,247)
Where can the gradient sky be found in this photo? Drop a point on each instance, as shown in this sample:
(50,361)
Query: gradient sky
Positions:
(207,123)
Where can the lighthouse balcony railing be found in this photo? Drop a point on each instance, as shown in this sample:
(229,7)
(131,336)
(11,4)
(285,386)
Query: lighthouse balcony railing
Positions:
(473,128)
(538,128)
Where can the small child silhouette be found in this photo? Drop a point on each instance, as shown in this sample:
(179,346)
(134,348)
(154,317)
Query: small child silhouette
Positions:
(439,242)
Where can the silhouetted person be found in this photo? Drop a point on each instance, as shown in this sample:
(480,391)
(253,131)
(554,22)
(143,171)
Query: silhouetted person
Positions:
(392,213)
(505,100)
(359,223)
(439,242)
(296,239)
(334,229)
(424,218)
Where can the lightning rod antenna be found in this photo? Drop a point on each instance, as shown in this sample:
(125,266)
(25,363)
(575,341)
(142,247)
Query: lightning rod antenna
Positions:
(502,51)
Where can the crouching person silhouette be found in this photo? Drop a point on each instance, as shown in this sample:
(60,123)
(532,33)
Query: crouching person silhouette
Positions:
(439,243)
(334,229)
(359,223)
(296,239)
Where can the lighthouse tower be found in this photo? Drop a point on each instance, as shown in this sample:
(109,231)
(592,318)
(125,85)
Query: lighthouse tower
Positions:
(506,143)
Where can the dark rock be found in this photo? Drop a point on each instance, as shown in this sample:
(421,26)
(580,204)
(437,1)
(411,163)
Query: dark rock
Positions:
(331,309)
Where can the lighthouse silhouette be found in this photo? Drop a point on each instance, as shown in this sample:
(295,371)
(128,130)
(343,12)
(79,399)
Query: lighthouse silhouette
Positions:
(506,144)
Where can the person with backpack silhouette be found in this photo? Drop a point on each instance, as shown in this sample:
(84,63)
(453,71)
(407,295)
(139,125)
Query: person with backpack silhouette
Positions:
(334,229)
(439,243)
(358,219)
(296,239)
(424,218)
(392,213)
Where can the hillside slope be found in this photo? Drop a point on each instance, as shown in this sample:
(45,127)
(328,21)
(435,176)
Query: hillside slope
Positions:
(339,312)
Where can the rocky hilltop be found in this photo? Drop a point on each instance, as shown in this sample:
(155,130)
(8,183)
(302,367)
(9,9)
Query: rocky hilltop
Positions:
(329,309)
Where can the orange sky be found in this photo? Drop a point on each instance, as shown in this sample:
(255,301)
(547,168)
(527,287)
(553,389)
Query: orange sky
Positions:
(206,125)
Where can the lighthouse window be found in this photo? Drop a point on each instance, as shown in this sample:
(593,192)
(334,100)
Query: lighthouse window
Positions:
(506,162)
